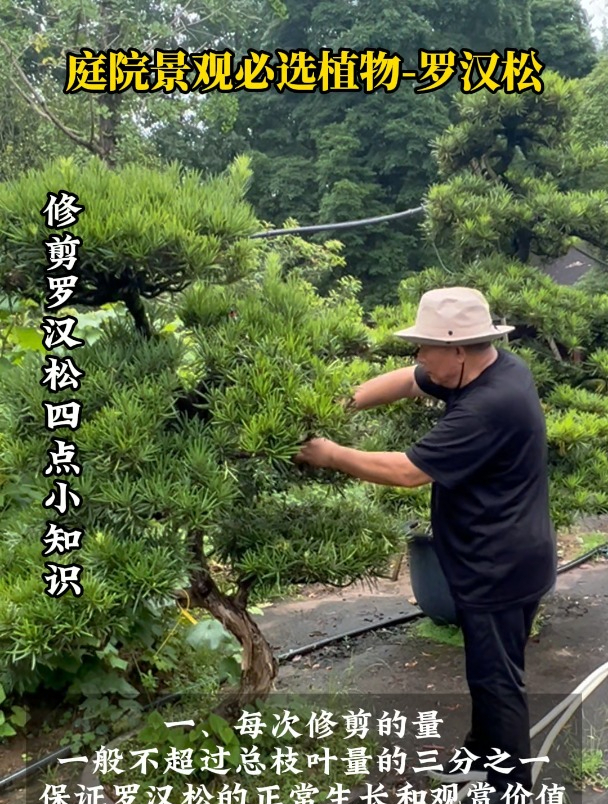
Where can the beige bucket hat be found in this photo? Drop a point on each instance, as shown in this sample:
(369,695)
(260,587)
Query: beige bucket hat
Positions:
(453,317)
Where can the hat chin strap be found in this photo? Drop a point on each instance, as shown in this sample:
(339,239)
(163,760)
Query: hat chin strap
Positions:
(461,376)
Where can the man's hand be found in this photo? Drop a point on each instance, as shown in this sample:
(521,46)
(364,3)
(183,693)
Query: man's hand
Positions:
(383,468)
(317,452)
(348,403)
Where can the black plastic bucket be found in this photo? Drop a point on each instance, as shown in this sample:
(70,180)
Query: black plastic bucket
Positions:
(429,584)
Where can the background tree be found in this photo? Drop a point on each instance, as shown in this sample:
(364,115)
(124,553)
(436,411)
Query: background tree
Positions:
(517,180)
(563,37)
(348,155)
(317,159)
(592,113)
(35,40)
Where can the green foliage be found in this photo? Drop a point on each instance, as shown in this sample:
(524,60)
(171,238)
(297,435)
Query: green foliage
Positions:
(15,717)
(311,261)
(314,538)
(187,442)
(562,36)
(213,637)
(101,704)
(565,397)
(517,181)
(143,232)
(591,123)
(19,333)
(38,122)
(444,634)
(587,768)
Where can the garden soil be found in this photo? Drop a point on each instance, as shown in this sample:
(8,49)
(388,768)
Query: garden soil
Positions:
(422,673)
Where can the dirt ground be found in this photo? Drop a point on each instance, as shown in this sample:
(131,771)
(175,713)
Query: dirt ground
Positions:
(421,674)
(397,669)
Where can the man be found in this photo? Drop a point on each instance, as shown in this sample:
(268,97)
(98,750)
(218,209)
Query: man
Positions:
(487,461)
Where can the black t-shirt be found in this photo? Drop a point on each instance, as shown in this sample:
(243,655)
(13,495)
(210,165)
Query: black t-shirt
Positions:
(490,499)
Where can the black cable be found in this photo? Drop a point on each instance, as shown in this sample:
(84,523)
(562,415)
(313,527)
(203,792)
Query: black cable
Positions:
(322,643)
(344,225)
(602,548)
(38,766)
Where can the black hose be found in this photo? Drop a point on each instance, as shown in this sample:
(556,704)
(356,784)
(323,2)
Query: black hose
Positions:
(37,767)
(45,762)
(322,643)
(601,548)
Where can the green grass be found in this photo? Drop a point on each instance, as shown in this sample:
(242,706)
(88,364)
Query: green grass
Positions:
(445,634)
(592,540)
(588,769)
(452,635)
(587,765)
(539,620)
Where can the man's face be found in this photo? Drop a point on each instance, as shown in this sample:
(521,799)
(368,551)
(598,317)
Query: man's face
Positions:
(443,364)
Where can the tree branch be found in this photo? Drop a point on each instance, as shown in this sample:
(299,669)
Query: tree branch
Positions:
(38,104)
(242,595)
(554,349)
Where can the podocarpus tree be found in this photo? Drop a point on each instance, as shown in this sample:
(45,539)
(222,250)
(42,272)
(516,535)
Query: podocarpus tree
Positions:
(516,178)
(518,181)
(189,424)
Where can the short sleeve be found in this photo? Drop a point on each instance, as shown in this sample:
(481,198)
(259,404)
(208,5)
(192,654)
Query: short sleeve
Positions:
(428,387)
(458,447)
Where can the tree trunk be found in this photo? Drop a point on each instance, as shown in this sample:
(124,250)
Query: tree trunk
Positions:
(523,241)
(108,127)
(109,103)
(135,306)
(259,667)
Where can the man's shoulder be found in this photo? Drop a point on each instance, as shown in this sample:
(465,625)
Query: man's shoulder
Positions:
(507,385)
(512,359)
(510,372)
(517,380)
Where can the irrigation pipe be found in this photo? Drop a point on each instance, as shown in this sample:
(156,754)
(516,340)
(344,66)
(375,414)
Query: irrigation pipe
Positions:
(566,709)
(323,227)
(584,689)
(313,646)
(591,683)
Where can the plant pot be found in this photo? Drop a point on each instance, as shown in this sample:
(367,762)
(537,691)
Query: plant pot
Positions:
(429,584)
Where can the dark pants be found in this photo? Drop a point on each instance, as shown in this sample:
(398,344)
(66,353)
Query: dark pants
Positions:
(494,653)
